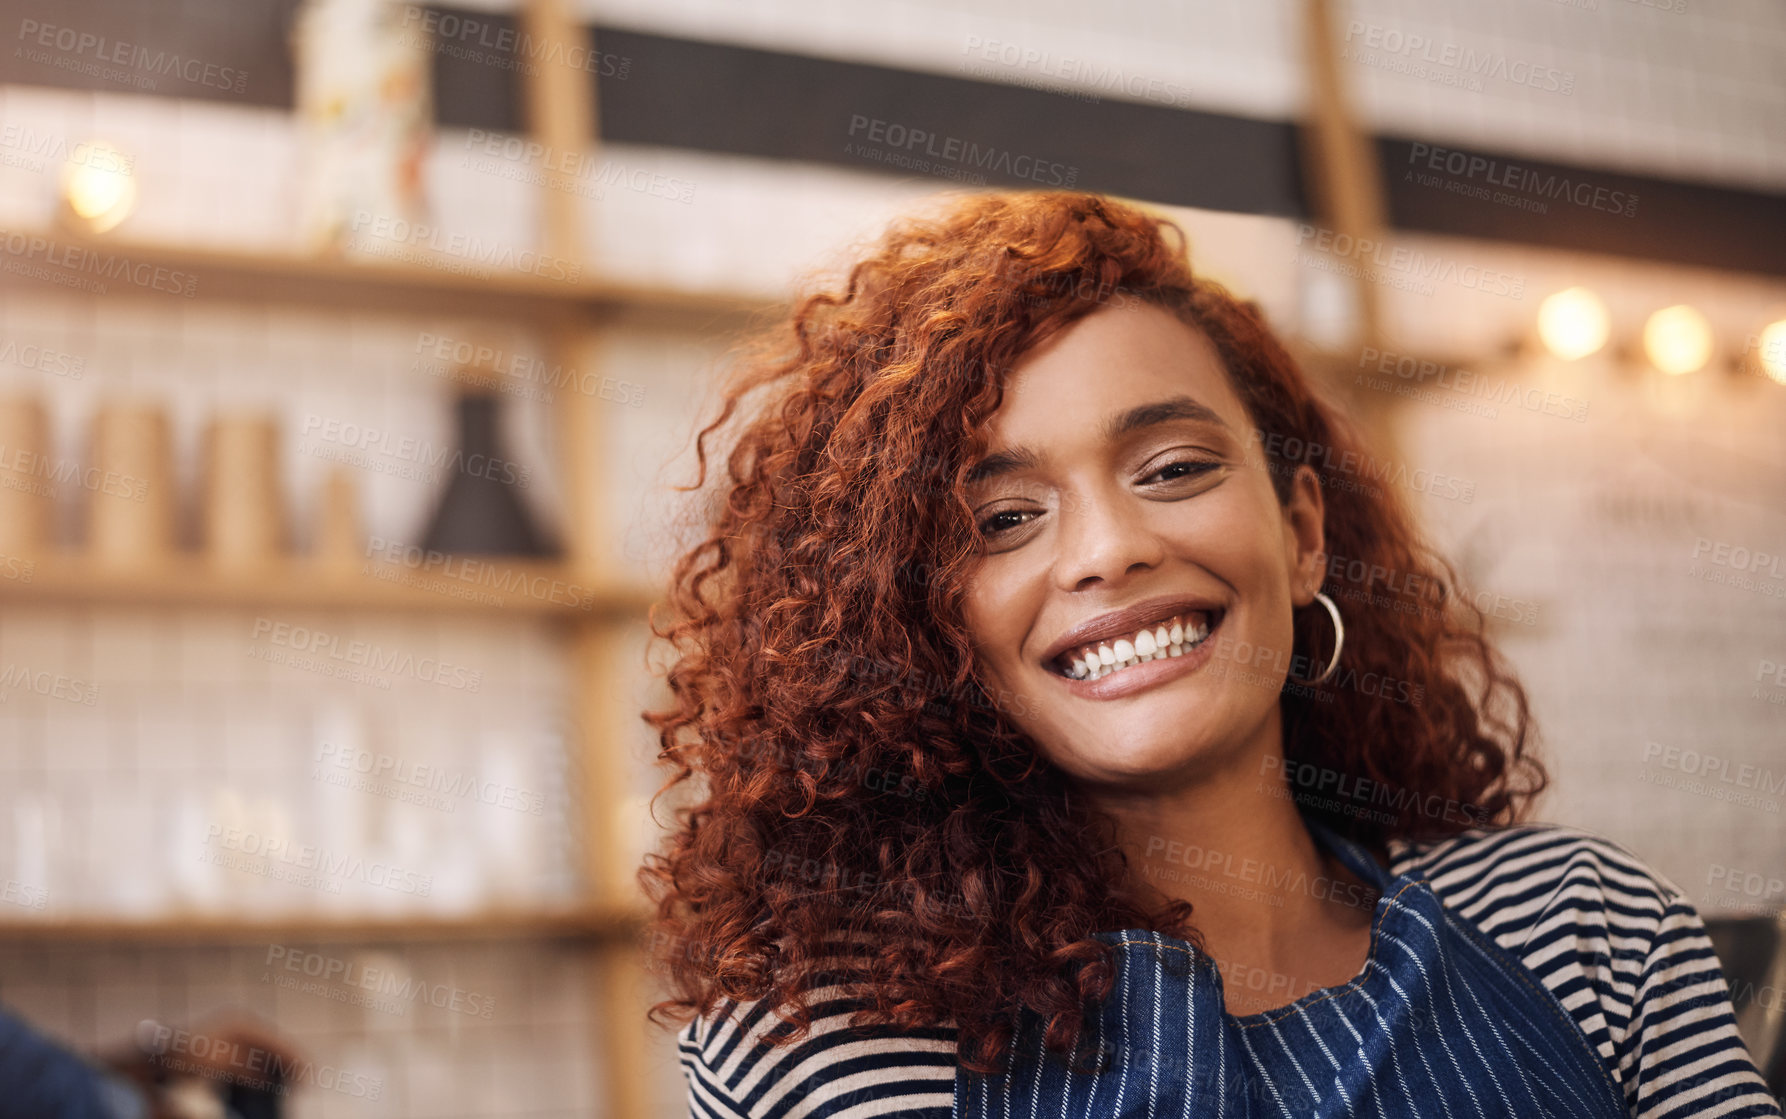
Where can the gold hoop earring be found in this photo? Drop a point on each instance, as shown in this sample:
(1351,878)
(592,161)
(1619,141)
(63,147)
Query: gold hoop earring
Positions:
(1339,642)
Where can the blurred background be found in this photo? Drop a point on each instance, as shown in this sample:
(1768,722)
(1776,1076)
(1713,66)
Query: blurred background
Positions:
(349,350)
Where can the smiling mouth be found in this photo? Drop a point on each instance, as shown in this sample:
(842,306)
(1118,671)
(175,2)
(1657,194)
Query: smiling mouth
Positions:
(1170,636)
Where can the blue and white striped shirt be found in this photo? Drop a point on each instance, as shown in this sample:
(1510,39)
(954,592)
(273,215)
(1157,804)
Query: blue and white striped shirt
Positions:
(1619,948)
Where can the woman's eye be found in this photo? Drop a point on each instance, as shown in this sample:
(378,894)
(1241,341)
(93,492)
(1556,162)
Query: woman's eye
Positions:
(1004,521)
(1190,468)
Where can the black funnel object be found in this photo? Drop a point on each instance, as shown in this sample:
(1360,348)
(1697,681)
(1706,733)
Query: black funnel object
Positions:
(481,512)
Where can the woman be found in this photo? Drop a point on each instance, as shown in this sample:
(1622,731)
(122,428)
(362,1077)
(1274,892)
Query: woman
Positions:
(1081,724)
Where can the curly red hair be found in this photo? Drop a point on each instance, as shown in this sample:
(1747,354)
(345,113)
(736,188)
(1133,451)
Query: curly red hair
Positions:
(860,782)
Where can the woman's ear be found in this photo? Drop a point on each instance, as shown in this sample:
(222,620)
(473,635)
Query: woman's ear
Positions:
(1305,536)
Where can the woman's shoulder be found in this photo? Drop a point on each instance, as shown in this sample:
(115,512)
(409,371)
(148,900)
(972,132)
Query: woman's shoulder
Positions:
(838,1070)
(1568,903)
(1619,946)
(1501,877)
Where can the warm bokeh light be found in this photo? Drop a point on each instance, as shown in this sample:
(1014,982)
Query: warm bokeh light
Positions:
(1773,350)
(1678,340)
(1573,323)
(99,184)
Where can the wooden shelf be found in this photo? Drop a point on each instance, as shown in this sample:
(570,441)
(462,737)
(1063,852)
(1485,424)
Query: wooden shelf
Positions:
(493,586)
(438,287)
(577,924)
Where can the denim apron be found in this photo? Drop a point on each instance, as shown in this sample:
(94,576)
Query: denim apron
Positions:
(1440,1022)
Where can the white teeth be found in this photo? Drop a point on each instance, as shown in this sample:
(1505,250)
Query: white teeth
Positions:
(1163,641)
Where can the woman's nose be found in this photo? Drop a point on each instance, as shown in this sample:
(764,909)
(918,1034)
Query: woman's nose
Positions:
(1104,538)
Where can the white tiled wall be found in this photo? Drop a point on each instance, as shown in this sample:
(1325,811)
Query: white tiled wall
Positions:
(1683,89)
(174,730)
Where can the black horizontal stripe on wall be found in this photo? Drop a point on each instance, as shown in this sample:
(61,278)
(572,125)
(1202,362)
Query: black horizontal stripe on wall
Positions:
(232,51)
(1498,197)
(743,101)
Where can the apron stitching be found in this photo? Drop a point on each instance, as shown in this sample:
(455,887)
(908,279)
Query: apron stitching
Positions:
(1349,988)
(1370,963)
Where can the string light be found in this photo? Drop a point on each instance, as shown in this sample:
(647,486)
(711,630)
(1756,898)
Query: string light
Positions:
(1678,340)
(99,185)
(1573,323)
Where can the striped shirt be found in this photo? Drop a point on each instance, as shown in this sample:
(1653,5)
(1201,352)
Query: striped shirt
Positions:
(1619,947)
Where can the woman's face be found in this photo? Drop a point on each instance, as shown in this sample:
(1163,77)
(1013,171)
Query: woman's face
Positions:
(1125,492)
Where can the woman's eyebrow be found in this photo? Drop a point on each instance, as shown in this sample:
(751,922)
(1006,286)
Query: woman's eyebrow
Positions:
(1159,412)
(1140,416)
(1003,462)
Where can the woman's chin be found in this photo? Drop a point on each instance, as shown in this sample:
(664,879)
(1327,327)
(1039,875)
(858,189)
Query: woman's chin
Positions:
(1150,737)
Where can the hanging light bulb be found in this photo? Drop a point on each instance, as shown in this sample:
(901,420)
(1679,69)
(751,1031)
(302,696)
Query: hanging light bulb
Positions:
(1678,340)
(1773,350)
(1573,323)
(98,185)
